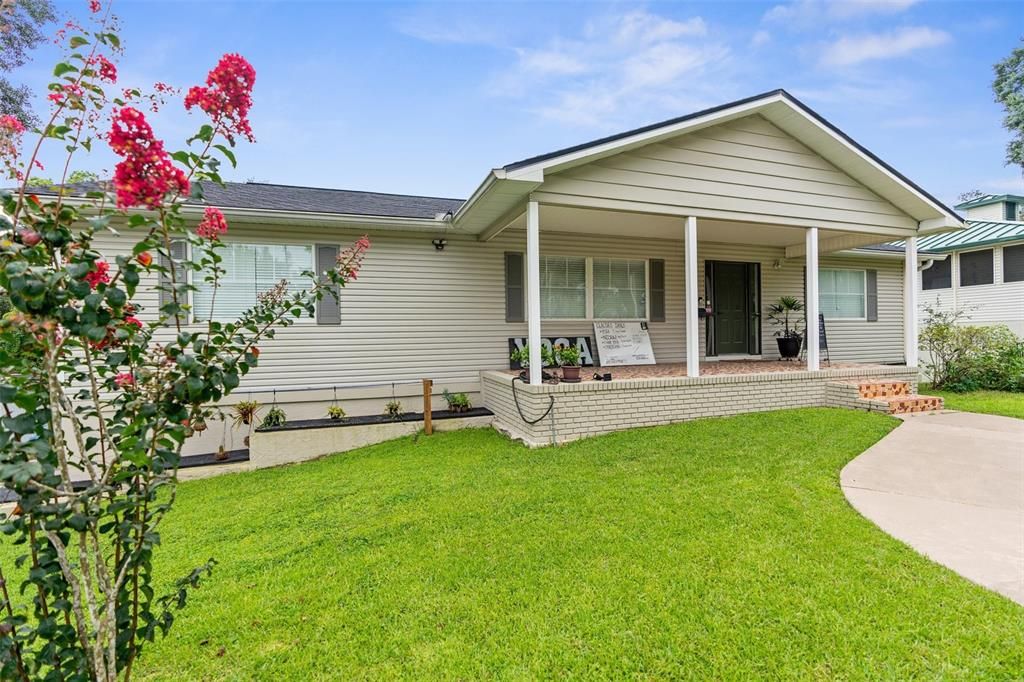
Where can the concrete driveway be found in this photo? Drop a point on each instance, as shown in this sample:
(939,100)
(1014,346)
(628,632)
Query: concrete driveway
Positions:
(951,485)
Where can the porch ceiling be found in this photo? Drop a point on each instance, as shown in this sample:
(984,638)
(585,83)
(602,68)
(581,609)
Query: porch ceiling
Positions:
(599,222)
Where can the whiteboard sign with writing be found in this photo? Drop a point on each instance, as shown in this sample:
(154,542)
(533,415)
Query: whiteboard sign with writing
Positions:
(623,343)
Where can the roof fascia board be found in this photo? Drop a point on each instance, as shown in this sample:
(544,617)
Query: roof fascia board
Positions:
(944,224)
(922,257)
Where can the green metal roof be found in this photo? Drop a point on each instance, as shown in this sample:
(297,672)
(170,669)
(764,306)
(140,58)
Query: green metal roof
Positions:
(978,233)
(989,199)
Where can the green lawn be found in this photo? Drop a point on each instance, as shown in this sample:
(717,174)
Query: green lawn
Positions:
(714,549)
(989,402)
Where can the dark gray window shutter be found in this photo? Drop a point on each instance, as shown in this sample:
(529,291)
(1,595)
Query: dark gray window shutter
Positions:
(515,291)
(328,309)
(1013,263)
(179,251)
(871,295)
(657,290)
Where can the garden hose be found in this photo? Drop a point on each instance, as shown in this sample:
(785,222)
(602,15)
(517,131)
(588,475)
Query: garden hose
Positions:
(515,396)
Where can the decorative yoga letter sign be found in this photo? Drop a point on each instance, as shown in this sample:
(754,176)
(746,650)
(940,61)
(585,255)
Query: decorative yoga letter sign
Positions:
(623,343)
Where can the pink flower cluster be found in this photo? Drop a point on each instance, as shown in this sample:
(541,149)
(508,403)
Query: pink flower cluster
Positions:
(124,379)
(11,125)
(101,275)
(146,175)
(213,224)
(351,259)
(106,71)
(227,97)
(95,6)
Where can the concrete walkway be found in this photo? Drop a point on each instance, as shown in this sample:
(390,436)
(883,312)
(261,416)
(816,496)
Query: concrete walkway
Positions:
(951,485)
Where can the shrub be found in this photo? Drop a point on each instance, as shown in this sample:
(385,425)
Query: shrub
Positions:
(970,357)
(336,412)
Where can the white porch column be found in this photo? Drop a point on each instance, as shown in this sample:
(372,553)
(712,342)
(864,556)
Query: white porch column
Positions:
(910,302)
(811,304)
(533,290)
(692,336)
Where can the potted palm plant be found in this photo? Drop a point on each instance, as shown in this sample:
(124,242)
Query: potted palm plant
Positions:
(569,360)
(785,314)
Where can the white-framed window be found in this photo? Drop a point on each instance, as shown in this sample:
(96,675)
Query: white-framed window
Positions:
(619,289)
(584,288)
(250,269)
(842,294)
(563,288)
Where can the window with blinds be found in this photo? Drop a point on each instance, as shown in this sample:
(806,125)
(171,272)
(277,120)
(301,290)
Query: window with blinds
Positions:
(251,269)
(842,294)
(620,289)
(563,287)
(1013,263)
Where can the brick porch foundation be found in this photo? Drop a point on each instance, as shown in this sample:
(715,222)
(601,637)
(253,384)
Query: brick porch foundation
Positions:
(594,407)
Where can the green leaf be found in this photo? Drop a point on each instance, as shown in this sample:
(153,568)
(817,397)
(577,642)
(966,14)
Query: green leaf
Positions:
(228,154)
(77,41)
(63,68)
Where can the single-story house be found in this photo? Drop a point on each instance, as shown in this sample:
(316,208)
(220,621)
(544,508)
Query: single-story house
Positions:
(980,270)
(692,226)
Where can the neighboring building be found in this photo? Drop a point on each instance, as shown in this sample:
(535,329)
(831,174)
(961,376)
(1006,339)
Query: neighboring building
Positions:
(723,208)
(981,270)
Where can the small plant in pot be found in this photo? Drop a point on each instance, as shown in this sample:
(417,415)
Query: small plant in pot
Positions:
(393,409)
(457,402)
(522,357)
(336,412)
(569,360)
(785,313)
(275,417)
(244,414)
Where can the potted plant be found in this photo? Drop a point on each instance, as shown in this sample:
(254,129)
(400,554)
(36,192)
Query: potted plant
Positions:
(275,417)
(787,335)
(522,356)
(336,412)
(244,412)
(569,360)
(457,402)
(393,409)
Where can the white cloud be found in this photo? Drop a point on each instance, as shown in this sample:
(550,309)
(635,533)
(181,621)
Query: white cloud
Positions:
(760,38)
(619,68)
(808,13)
(852,50)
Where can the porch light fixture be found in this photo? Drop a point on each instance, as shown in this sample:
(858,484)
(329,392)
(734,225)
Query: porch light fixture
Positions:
(439,244)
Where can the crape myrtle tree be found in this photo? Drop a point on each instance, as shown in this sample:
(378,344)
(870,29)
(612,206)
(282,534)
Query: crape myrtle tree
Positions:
(94,403)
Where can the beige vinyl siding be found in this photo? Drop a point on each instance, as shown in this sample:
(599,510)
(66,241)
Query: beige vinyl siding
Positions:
(417,312)
(997,303)
(987,212)
(746,167)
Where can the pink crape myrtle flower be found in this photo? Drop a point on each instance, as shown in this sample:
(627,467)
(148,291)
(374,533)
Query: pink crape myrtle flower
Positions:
(95,6)
(11,125)
(213,224)
(124,379)
(106,71)
(227,96)
(101,275)
(146,175)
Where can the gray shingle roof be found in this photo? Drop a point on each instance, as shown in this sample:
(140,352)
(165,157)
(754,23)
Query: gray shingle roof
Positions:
(258,195)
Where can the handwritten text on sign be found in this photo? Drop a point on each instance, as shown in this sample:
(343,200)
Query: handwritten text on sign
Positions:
(623,343)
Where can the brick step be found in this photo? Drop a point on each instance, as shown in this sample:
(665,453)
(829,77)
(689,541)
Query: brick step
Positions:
(871,390)
(905,404)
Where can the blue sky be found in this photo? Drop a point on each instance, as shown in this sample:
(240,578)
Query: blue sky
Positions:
(424,98)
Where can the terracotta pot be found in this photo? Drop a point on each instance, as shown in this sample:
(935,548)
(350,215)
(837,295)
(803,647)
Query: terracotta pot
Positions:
(571,375)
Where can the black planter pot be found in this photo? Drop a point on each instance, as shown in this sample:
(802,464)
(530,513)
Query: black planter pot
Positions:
(789,346)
